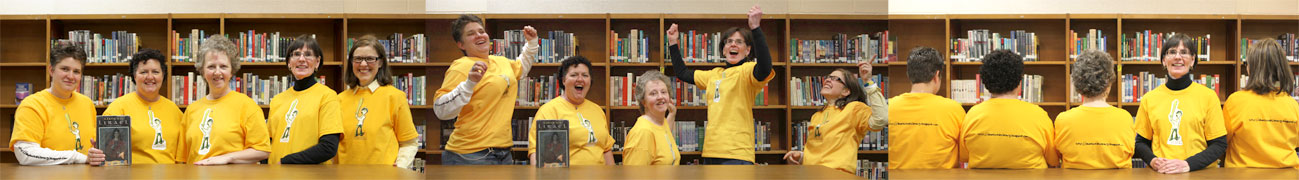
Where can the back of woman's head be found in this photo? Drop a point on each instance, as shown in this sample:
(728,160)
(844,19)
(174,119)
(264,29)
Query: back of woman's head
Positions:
(1268,71)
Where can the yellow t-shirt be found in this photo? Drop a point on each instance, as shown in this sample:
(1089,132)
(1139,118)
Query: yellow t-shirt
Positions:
(834,134)
(1263,131)
(228,124)
(650,144)
(313,112)
(56,123)
(729,94)
(1095,138)
(151,142)
(485,121)
(384,120)
(923,131)
(1198,113)
(583,121)
(1008,133)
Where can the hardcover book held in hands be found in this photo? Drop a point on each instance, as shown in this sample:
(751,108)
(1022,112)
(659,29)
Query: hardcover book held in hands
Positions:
(115,139)
(552,143)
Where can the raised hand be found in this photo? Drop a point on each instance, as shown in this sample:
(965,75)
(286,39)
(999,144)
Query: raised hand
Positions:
(755,17)
(673,34)
(476,73)
(864,69)
(529,33)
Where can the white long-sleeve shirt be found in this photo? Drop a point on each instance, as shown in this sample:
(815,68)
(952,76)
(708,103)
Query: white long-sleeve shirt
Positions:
(31,153)
(449,105)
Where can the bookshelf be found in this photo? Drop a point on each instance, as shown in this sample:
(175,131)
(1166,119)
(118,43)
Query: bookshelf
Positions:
(25,49)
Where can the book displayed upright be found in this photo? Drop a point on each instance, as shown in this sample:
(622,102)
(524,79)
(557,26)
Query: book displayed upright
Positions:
(114,139)
(552,143)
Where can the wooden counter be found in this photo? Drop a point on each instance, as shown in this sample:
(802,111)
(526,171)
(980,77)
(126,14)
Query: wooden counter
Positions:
(638,172)
(1110,174)
(183,171)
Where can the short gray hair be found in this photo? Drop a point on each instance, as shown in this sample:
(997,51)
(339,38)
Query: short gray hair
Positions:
(644,80)
(218,43)
(1092,72)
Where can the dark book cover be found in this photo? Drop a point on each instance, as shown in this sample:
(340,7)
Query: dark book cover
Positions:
(115,139)
(552,143)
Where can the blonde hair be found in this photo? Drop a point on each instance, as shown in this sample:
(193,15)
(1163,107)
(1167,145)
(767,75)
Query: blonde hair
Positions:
(218,43)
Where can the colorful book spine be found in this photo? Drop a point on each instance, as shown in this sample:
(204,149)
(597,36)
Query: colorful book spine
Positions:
(981,42)
(632,48)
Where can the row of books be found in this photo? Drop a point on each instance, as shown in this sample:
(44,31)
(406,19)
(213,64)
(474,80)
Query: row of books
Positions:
(873,170)
(971,91)
(877,48)
(520,129)
(535,91)
(401,48)
(806,91)
(1289,46)
(413,86)
(557,46)
(700,47)
(688,94)
(185,48)
(1147,46)
(191,87)
(423,136)
(690,135)
(980,42)
(619,130)
(624,91)
(104,89)
(874,140)
(1133,86)
(761,135)
(263,47)
(117,47)
(762,99)
(634,47)
(1094,39)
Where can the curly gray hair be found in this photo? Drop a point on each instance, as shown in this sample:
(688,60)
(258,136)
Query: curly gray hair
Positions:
(218,43)
(644,80)
(1092,73)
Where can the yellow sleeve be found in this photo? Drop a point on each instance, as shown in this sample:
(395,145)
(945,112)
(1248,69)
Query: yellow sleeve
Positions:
(403,123)
(1229,114)
(1048,128)
(1213,123)
(28,124)
(755,81)
(963,153)
(703,79)
(544,113)
(639,149)
(518,69)
(256,135)
(1143,122)
(331,121)
(456,73)
(607,138)
(861,114)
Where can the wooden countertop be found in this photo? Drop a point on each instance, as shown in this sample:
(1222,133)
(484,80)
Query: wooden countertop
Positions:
(184,171)
(1109,174)
(638,172)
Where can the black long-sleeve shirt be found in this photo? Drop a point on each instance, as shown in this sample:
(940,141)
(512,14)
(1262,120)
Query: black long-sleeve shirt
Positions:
(760,50)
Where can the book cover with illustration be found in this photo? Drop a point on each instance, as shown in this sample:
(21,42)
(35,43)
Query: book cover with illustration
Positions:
(552,143)
(115,139)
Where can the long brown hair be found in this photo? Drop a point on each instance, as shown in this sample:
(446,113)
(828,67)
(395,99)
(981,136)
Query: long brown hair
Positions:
(384,75)
(1267,69)
(855,92)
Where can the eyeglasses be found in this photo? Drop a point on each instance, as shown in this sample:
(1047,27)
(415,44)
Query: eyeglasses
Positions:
(836,78)
(367,59)
(736,41)
(1183,53)
(302,54)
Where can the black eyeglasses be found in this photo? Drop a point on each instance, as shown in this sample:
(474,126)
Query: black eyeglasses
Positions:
(368,59)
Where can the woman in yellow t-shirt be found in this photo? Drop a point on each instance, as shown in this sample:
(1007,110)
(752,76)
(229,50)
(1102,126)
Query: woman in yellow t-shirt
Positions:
(155,120)
(839,127)
(304,119)
(589,142)
(1261,120)
(1179,124)
(54,126)
(650,141)
(377,125)
(1094,135)
(224,126)
(731,91)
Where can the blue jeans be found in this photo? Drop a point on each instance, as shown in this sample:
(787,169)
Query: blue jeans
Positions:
(489,156)
(724,161)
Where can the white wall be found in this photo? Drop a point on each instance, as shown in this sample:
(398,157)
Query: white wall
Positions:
(1290,7)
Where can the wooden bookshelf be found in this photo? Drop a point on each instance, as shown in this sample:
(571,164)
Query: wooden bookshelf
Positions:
(25,42)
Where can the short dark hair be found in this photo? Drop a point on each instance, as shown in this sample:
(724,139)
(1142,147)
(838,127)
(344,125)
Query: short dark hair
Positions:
(459,24)
(1268,71)
(571,62)
(1002,71)
(1179,39)
(65,49)
(146,55)
(1092,73)
(308,41)
(744,33)
(384,75)
(922,64)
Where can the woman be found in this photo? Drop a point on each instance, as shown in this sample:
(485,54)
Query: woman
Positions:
(55,126)
(224,126)
(304,119)
(589,142)
(155,120)
(1080,131)
(650,141)
(1260,119)
(730,91)
(1179,125)
(377,125)
(839,127)
(478,92)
